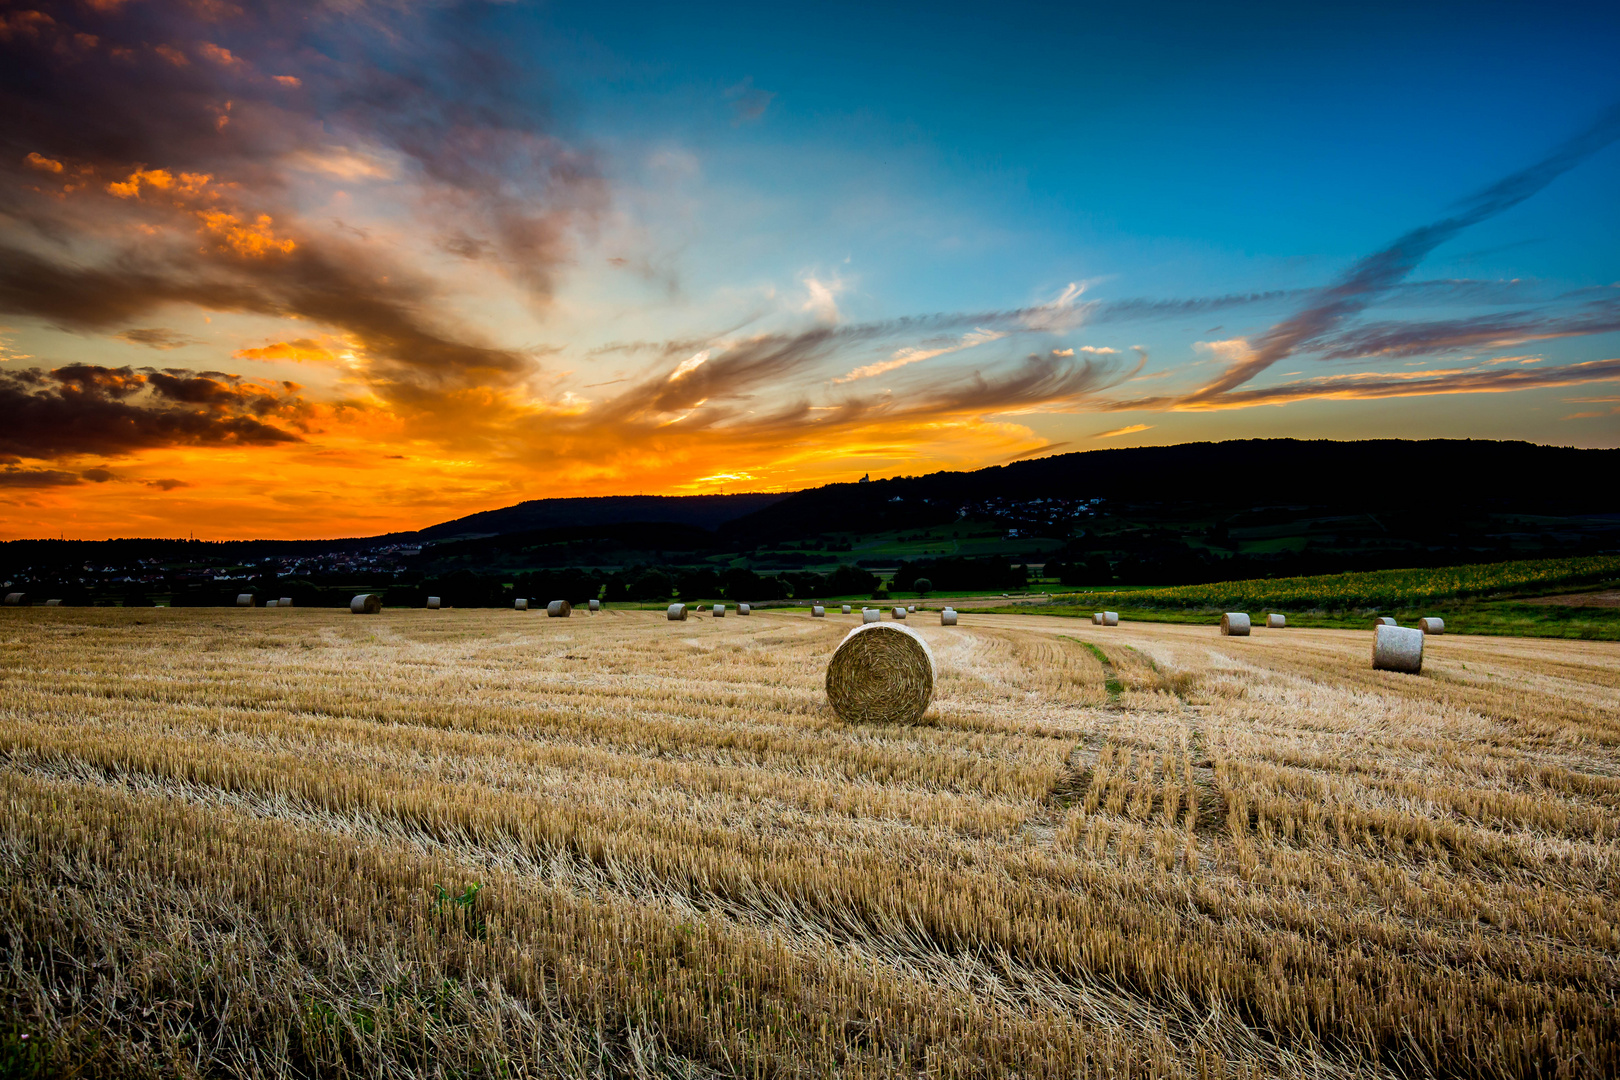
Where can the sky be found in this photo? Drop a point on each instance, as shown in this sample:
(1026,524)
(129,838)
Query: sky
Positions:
(313,269)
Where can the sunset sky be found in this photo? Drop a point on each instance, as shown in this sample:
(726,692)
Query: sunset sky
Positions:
(294,269)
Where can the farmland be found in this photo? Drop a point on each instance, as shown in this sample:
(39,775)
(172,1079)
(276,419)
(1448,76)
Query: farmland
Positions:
(485,843)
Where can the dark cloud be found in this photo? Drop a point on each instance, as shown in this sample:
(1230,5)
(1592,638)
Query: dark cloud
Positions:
(99,476)
(83,409)
(37,478)
(167,484)
(1395,339)
(156,337)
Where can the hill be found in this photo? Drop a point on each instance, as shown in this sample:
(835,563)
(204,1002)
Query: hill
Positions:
(702,511)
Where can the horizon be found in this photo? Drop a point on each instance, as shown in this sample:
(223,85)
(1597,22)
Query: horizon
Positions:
(289,272)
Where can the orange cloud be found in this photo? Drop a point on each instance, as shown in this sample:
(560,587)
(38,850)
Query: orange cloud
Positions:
(42,163)
(298,351)
(253,239)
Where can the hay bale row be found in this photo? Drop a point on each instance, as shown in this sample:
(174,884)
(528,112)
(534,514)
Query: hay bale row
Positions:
(947,617)
(677,613)
(559,609)
(1397,648)
(366,604)
(1235,624)
(1433,625)
(881,673)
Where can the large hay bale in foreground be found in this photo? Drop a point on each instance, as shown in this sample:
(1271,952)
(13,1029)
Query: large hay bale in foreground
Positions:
(1433,625)
(1398,648)
(818,612)
(677,613)
(1385,620)
(947,617)
(1110,618)
(246,599)
(434,603)
(846,609)
(899,612)
(367,603)
(1235,624)
(871,615)
(881,673)
(521,604)
(17,599)
(1275,621)
(719,611)
(744,609)
(559,609)
(595,605)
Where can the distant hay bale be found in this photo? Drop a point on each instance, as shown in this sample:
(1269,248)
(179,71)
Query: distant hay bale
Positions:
(520,604)
(744,609)
(285,601)
(881,673)
(246,599)
(272,603)
(434,603)
(366,603)
(1096,618)
(719,611)
(871,615)
(16,599)
(559,609)
(1433,625)
(53,603)
(899,612)
(818,612)
(677,613)
(947,617)
(1397,648)
(1385,620)
(1275,621)
(846,609)
(1110,618)
(1235,624)
(911,607)
(595,605)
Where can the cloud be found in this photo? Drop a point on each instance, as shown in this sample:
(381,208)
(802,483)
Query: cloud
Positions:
(912,354)
(748,102)
(85,409)
(1380,272)
(167,484)
(1130,429)
(298,351)
(156,337)
(823,301)
(37,478)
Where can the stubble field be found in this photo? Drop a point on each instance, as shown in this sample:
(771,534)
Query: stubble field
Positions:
(244,843)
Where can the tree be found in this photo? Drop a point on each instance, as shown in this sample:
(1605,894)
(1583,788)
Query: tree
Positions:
(922,586)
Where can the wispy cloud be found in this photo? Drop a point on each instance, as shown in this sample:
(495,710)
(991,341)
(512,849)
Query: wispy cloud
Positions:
(1130,429)
(912,354)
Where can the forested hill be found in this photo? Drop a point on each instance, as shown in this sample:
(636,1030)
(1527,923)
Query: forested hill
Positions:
(703,511)
(1435,477)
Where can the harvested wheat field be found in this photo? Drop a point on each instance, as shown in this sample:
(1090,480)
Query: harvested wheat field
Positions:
(245,843)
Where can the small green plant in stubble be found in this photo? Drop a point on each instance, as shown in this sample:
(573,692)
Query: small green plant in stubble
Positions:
(459,911)
(25,1056)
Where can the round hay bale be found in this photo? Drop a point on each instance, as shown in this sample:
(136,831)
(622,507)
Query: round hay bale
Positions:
(1397,648)
(1235,624)
(434,603)
(1385,620)
(367,603)
(1110,618)
(818,612)
(677,613)
(881,673)
(17,599)
(1432,625)
(595,605)
(1275,621)
(272,603)
(911,607)
(521,604)
(53,603)
(899,612)
(744,609)
(246,599)
(285,601)
(1096,618)
(559,609)
(846,609)
(871,615)
(719,611)
(947,617)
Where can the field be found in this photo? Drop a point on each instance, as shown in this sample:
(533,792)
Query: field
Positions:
(1485,598)
(490,844)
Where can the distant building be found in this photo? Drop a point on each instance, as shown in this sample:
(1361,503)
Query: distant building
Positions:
(867,479)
